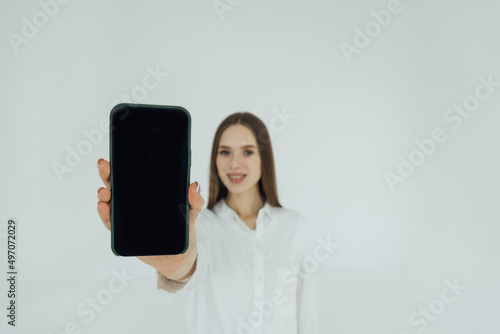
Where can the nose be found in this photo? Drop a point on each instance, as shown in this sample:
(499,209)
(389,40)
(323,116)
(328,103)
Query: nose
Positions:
(234,163)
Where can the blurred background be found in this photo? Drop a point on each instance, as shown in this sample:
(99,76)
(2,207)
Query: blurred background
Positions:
(384,118)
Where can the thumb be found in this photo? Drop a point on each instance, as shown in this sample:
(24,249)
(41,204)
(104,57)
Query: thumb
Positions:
(196,201)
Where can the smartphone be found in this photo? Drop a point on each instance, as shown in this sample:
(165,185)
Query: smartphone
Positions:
(150,158)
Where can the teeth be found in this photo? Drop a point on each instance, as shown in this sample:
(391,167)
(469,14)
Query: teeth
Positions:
(236,177)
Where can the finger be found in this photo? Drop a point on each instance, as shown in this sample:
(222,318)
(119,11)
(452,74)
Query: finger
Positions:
(103,209)
(196,201)
(104,170)
(104,194)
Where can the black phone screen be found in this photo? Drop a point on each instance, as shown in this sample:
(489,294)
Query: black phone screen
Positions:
(150,162)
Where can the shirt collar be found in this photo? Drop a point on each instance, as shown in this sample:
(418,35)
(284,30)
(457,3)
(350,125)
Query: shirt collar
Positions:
(224,211)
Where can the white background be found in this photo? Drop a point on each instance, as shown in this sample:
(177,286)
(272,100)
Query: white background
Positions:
(352,120)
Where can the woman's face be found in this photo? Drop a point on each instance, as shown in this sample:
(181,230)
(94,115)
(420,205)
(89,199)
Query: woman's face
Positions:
(237,155)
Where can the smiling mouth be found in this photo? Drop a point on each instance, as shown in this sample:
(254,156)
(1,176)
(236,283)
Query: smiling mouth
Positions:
(236,177)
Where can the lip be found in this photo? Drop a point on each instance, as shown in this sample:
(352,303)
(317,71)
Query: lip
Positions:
(236,174)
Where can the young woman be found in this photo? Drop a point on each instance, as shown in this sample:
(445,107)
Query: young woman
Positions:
(246,251)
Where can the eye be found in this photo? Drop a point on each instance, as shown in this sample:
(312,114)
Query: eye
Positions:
(223,152)
(249,152)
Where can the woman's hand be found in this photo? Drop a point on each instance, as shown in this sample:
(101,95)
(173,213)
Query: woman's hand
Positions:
(175,267)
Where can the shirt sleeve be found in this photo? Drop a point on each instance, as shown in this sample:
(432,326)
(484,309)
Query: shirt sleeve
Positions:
(170,287)
(307,305)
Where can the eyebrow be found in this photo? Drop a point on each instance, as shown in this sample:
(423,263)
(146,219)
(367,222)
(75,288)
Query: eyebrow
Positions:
(244,146)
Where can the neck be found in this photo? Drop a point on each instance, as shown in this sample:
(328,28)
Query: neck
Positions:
(245,204)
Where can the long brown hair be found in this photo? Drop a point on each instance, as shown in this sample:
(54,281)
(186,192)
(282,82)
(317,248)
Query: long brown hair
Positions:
(267,182)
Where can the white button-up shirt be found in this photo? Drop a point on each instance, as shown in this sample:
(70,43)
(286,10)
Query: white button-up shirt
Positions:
(250,281)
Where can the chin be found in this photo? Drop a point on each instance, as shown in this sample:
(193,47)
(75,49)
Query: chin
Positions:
(236,190)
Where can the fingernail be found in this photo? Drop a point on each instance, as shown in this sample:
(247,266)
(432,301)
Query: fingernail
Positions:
(98,161)
(198,188)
